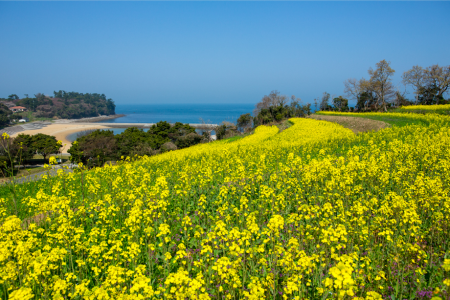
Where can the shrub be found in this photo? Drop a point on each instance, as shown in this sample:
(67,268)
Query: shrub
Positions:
(188,140)
(168,146)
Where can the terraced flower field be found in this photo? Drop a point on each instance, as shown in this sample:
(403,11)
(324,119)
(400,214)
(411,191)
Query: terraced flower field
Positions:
(441,107)
(313,212)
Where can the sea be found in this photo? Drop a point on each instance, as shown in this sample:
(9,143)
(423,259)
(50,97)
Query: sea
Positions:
(184,113)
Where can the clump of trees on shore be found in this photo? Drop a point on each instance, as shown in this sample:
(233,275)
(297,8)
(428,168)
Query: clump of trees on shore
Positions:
(100,146)
(65,105)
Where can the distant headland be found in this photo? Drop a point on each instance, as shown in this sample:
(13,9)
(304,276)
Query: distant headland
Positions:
(62,105)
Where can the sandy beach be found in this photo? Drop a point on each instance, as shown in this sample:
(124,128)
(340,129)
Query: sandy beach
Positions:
(61,131)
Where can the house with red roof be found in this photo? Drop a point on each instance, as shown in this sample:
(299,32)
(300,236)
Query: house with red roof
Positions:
(17,108)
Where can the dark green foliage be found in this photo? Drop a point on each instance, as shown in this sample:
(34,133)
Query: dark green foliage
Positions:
(128,140)
(67,105)
(400,100)
(159,133)
(226,130)
(162,132)
(179,129)
(188,140)
(33,103)
(95,148)
(184,135)
(24,143)
(16,117)
(169,146)
(429,95)
(76,154)
(277,111)
(324,104)
(244,122)
(100,146)
(366,101)
(110,107)
(220,131)
(21,149)
(8,153)
(340,104)
(45,144)
(5,114)
(298,110)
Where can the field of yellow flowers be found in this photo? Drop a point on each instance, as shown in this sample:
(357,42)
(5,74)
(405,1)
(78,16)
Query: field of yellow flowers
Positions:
(441,107)
(312,212)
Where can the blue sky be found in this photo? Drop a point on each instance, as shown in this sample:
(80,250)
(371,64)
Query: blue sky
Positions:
(212,52)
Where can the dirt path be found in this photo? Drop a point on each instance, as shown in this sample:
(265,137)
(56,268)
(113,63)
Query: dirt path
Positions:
(354,123)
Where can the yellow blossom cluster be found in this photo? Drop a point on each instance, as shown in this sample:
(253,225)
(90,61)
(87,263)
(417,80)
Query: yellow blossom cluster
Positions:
(426,107)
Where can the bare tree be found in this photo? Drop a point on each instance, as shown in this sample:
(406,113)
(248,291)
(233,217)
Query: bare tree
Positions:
(273,99)
(371,101)
(415,77)
(352,88)
(324,105)
(382,83)
(362,91)
(400,98)
(439,77)
(434,79)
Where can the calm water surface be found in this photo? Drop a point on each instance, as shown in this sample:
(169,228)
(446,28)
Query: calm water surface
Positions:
(184,113)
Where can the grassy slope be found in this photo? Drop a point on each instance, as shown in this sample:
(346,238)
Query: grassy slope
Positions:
(397,121)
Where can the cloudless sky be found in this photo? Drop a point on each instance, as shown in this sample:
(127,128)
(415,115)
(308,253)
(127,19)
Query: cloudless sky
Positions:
(212,52)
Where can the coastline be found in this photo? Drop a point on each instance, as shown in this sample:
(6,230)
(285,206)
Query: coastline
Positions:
(62,128)
(62,131)
(89,120)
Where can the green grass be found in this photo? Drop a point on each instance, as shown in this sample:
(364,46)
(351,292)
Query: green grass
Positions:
(19,171)
(233,139)
(423,112)
(388,119)
(396,121)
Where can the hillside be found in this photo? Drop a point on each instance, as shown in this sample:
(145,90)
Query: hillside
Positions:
(64,105)
(312,212)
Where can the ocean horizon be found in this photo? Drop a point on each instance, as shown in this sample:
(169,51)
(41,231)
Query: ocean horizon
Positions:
(184,113)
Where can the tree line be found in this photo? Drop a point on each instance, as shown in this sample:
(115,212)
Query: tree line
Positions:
(65,105)
(100,146)
(271,109)
(21,149)
(379,92)
(374,94)
(5,115)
